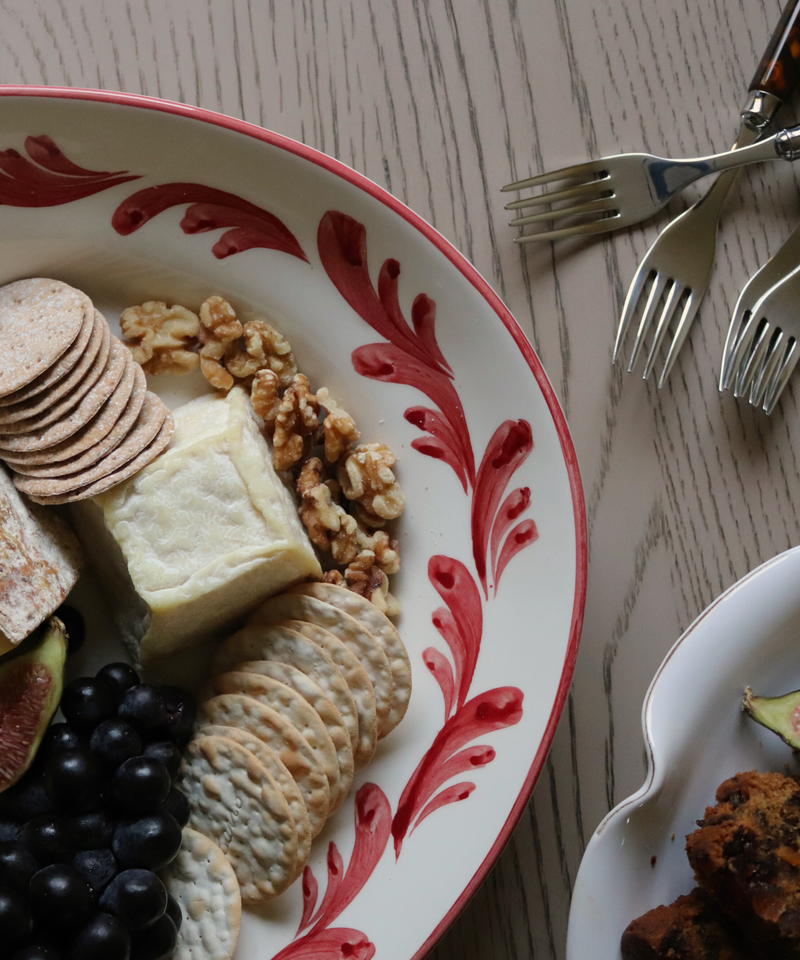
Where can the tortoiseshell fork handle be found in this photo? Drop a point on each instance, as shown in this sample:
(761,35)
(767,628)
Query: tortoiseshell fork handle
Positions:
(779,71)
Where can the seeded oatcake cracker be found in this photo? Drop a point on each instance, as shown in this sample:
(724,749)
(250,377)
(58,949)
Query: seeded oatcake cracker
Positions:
(79,415)
(204,884)
(40,319)
(258,676)
(746,856)
(234,710)
(289,606)
(355,677)
(281,644)
(282,777)
(100,436)
(236,803)
(141,434)
(62,377)
(292,707)
(381,628)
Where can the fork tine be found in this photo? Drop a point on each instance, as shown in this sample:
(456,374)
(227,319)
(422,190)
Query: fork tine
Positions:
(673,299)
(576,170)
(771,362)
(745,378)
(602,225)
(598,205)
(657,289)
(557,195)
(629,307)
(739,350)
(681,332)
(782,377)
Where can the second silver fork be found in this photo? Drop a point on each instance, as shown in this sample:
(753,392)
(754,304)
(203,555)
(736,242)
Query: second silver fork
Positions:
(681,260)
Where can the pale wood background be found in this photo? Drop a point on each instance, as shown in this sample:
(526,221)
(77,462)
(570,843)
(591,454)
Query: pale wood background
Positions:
(441,102)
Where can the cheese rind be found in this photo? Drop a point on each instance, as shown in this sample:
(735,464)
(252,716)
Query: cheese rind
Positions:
(201,535)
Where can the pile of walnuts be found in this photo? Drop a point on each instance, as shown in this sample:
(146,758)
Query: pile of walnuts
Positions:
(348,492)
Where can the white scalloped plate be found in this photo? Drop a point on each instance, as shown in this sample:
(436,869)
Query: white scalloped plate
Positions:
(131,198)
(696,736)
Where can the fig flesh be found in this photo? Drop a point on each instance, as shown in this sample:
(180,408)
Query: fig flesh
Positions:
(779,714)
(30,689)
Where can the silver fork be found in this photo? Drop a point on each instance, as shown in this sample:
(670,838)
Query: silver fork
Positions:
(619,191)
(680,262)
(762,349)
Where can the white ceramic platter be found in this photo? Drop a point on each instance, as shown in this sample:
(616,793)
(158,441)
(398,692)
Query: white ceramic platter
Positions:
(133,199)
(696,736)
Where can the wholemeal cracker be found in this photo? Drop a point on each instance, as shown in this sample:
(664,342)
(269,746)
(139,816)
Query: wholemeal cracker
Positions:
(304,686)
(57,409)
(282,644)
(130,391)
(289,606)
(150,452)
(381,628)
(236,803)
(292,707)
(40,319)
(147,425)
(357,680)
(80,415)
(235,710)
(111,439)
(203,882)
(266,755)
(62,377)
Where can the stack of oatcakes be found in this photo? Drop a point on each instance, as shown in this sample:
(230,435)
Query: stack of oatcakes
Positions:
(76,417)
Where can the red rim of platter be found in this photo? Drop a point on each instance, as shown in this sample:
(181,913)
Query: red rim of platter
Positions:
(522,343)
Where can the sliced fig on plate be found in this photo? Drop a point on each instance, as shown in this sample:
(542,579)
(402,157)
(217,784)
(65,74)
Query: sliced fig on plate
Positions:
(30,689)
(779,714)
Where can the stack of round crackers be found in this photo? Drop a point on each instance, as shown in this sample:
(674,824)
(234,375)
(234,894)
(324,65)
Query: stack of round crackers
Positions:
(297,702)
(76,417)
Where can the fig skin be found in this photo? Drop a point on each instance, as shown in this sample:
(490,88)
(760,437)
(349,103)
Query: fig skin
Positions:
(26,710)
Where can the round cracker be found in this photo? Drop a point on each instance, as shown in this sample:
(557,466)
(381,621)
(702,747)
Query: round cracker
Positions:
(150,452)
(62,377)
(81,414)
(381,627)
(356,678)
(282,644)
(291,706)
(147,425)
(204,884)
(235,802)
(108,442)
(293,606)
(266,755)
(57,409)
(314,696)
(235,710)
(40,319)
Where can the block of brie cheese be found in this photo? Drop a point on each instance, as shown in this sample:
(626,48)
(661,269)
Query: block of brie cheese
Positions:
(200,536)
(40,561)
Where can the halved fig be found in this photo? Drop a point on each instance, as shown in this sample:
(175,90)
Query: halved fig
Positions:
(30,689)
(779,714)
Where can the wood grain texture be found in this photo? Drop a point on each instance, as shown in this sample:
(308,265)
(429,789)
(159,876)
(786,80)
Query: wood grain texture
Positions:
(442,102)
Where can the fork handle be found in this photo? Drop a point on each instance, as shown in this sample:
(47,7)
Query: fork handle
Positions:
(779,71)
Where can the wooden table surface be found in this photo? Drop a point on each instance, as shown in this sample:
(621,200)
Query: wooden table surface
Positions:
(442,102)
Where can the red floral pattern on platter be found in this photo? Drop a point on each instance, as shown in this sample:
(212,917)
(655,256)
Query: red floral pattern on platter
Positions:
(246,225)
(411,356)
(323,942)
(48,178)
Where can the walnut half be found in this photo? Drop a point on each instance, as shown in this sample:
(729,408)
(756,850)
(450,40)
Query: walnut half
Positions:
(366,476)
(160,338)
